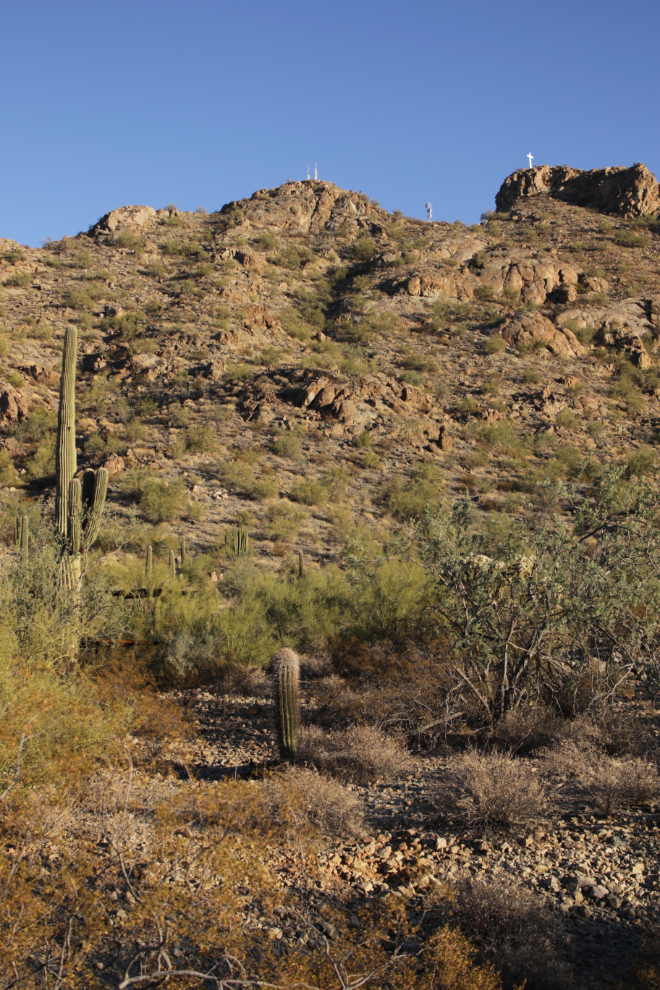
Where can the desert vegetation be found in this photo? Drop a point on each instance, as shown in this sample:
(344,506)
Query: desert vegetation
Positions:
(329,614)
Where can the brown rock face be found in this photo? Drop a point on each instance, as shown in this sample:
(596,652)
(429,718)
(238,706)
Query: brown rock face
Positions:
(529,328)
(626,192)
(14,406)
(125,218)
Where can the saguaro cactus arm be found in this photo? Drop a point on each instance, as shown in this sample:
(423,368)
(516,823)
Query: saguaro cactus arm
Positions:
(25,537)
(94,491)
(65,454)
(286,673)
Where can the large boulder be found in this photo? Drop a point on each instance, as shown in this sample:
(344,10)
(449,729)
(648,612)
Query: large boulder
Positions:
(531,328)
(14,406)
(625,192)
(125,218)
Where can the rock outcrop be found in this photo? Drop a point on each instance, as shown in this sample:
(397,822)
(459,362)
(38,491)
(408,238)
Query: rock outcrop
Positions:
(532,328)
(625,192)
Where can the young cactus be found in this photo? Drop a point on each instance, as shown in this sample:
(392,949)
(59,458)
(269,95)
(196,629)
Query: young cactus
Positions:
(301,564)
(24,537)
(286,673)
(172,565)
(149,567)
(237,541)
(183,550)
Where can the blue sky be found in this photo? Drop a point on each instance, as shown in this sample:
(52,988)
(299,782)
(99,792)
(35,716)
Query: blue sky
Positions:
(198,102)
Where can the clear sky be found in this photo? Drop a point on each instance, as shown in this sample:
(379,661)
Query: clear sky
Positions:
(110,102)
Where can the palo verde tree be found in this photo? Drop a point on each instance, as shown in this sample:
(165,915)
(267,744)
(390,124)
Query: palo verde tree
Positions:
(557,602)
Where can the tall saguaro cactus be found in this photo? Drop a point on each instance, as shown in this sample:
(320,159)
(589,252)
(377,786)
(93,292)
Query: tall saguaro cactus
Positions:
(149,566)
(286,673)
(78,504)
(65,454)
(23,537)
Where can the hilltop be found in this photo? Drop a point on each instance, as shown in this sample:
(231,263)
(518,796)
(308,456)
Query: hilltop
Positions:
(304,342)
(478,743)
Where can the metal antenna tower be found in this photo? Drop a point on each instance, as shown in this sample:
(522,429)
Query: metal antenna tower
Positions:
(316,174)
(429,211)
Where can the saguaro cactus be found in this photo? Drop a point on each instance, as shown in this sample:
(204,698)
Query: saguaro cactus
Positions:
(301,564)
(23,537)
(237,541)
(78,505)
(149,567)
(65,454)
(172,565)
(286,673)
(183,550)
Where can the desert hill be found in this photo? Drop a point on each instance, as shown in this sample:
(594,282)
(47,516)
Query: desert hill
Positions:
(469,795)
(305,346)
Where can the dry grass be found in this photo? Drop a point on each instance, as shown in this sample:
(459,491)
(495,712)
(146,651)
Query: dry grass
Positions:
(301,798)
(499,921)
(492,791)
(606,782)
(360,754)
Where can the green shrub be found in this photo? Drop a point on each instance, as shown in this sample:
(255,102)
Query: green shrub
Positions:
(419,362)
(162,501)
(409,498)
(628,238)
(501,434)
(310,493)
(19,280)
(495,344)
(364,249)
(287,442)
(237,372)
(283,520)
(641,462)
(200,440)
(8,473)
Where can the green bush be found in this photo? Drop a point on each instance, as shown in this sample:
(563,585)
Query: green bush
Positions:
(495,344)
(283,520)
(162,501)
(310,493)
(287,442)
(408,498)
(19,280)
(364,249)
(200,440)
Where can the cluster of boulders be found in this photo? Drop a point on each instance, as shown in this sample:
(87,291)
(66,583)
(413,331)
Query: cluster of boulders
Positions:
(626,192)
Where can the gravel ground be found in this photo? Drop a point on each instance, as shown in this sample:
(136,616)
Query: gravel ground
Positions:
(599,877)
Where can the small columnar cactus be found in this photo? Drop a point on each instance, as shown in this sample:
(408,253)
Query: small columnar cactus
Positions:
(24,538)
(149,567)
(183,550)
(301,564)
(286,673)
(237,541)
(172,565)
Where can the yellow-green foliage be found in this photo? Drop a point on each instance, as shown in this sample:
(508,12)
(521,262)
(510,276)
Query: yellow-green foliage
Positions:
(409,498)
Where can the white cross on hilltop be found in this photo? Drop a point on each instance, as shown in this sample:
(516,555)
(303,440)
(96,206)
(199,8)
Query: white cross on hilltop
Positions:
(530,156)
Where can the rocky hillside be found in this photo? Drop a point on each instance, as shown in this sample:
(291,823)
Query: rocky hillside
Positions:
(306,362)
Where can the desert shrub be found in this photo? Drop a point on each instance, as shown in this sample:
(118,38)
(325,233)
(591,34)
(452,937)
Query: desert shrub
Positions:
(162,501)
(19,280)
(236,373)
(641,462)
(628,238)
(283,520)
(200,440)
(492,791)
(286,443)
(364,249)
(361,753)
(607,783)
(498,920)
(409,498)
(305,797)
(8,473)
(309,493)
(527,729)
(495,344)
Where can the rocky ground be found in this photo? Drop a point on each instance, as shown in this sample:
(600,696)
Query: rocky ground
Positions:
(598,876)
